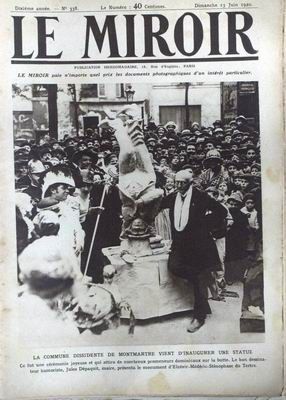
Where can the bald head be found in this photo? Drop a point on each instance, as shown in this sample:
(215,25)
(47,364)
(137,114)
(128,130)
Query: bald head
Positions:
(183,180)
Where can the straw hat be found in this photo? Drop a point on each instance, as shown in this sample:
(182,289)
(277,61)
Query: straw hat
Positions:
(57,176)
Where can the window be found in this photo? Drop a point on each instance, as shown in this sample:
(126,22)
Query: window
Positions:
(120,90)
(178,115)
(87,91)
(101,90)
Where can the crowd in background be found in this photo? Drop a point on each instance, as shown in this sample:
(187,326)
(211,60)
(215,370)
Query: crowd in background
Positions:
(62,186)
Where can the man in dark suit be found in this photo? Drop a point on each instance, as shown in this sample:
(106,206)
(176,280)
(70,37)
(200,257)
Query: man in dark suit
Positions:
(193,253)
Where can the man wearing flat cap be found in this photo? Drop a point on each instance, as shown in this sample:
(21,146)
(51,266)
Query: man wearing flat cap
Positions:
(186,134)
(242,123)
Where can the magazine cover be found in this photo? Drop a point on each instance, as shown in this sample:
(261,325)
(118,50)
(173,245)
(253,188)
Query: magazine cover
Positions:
(142,200)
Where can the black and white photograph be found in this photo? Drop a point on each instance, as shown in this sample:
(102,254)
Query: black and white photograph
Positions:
(138,213)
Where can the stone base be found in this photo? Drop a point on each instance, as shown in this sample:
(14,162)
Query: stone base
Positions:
(251,323)
(148,286)
(136,247)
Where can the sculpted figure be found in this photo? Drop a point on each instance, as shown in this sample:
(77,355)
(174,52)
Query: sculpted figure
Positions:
(140,198)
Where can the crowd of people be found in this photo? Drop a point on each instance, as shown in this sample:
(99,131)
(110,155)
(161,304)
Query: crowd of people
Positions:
(64,188)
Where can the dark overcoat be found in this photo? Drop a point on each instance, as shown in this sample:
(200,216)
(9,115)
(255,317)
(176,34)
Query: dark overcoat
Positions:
(193,250)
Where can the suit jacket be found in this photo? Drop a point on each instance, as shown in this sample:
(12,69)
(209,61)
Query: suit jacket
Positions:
(194,249)
(109,227)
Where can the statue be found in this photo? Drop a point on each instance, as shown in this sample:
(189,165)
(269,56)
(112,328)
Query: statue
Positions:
(140,198)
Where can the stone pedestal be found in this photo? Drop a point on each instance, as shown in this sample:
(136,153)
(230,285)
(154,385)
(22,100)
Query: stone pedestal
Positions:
(136,247)
(147,285)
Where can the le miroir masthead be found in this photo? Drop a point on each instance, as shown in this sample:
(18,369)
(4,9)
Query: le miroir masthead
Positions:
(193,36)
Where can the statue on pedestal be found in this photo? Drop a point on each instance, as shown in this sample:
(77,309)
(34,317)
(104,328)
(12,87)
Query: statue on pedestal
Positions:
(140,198)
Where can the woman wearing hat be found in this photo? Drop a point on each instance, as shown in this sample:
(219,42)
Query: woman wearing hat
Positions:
(57,186)
(214,174)
(171,129)
(170,126)
(161,131)
(84,158)
(62,305)
(47,274)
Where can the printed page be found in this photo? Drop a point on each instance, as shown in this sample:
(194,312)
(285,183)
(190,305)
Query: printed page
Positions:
(142,193)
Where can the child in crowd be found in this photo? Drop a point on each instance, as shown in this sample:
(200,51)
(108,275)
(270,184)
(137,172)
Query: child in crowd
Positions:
(253,226)
(245,183)
(222,192)
(236,186)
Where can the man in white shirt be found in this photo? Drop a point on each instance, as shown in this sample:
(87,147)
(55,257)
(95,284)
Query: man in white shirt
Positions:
(193,252)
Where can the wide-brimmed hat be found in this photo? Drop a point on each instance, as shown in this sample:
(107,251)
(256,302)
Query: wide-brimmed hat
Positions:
(213,155)
(236,196)
(161,127)
(192,140)
(164,139)
(56,175)
(231,162)
(249,196)
(151,140)
(236,133)
(217,122)
(46,267)
(186,132)
(240,117)
(68,139)
(171,123)
(87,152)
(95,309)
(233,122)
(217,130)
(171,141)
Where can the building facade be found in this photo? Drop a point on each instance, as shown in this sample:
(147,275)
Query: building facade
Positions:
(71,109)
